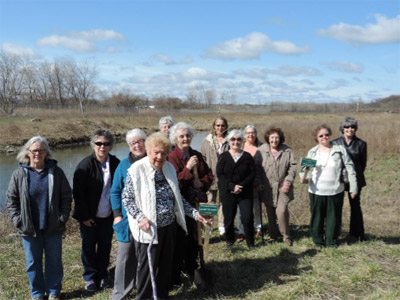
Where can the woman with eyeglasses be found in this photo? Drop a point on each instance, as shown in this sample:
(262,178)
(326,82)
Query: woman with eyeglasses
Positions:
(91,189)
(126,262)
(236,172)
(38,202)
(326,188)
(357,149)
(212,147)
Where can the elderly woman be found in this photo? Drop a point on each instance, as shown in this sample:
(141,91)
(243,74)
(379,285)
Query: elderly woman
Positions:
(236,172)
(38,203)
(326,189)
(152,199)
(194,177)
(251,145)
(125,268)
(165,124)
(278,166)
(357,149)
(212,147)
(91,189)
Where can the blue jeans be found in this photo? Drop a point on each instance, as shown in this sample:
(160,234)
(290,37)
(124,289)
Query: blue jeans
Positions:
(96,248)
(51,245)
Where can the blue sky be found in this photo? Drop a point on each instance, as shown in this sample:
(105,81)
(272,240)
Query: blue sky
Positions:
(245,51)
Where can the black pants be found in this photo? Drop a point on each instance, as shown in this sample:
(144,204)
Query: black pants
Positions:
(186,251)
(162,255)
(356,217)
(229,208)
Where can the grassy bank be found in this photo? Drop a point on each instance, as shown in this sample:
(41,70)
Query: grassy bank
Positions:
(365,270)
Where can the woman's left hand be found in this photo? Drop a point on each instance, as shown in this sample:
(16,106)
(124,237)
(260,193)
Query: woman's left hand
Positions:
(353,195)
(202,220)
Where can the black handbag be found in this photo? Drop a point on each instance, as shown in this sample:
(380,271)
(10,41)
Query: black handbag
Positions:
(344,176)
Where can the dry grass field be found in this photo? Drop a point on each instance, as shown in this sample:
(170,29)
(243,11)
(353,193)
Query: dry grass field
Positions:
(363,270)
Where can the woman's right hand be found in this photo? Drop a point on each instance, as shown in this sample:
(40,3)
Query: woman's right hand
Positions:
(144,224)
(192,162)
(303,180)
(117,219)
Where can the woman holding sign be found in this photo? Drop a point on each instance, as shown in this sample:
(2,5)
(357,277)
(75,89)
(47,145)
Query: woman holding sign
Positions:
(195,178)
(326,188)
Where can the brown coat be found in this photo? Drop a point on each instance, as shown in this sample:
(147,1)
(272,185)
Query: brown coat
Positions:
(274,173)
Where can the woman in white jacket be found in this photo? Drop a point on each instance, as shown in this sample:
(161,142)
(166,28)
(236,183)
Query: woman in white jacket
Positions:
(152,198)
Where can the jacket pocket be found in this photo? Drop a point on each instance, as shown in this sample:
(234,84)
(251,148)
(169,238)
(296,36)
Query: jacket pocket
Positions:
(122,230)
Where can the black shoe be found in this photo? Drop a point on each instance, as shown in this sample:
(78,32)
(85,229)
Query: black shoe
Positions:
(105,283)
(91,286)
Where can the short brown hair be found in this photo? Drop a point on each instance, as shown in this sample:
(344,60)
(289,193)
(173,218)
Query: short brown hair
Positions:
(318,128)
(272,130)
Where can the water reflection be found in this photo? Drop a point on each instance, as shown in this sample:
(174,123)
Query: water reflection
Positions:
(68,159)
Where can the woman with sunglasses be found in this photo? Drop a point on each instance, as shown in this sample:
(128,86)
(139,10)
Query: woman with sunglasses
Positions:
(236,172)
(91,190)
(326,189)
(357,149)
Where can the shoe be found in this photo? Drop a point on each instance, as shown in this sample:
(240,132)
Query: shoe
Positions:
(258,234)
(240,238)
(37,298)
(54,297)
(91,286)
(222,237)
(288,242)
(105,283)
(271,240)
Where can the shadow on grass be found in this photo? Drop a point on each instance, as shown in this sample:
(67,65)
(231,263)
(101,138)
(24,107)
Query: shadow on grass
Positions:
(242,276)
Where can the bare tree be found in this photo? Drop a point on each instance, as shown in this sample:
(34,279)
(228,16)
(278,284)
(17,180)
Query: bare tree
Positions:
(209,97)
(12,79)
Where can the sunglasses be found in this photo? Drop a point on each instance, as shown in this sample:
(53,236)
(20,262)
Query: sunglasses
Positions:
(350,126)
(236,139)
(106,144)
(322,135)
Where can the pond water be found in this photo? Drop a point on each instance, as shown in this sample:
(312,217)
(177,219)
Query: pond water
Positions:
(68,160)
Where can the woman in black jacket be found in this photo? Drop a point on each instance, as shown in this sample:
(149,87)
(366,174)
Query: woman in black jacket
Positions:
(236,172)
(91,189)
(357,150)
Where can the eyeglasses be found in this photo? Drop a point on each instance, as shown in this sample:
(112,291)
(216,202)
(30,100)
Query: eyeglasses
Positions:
(236,139)
(139,142)
(350,126)
(324,135)
(106,144)
(38,151)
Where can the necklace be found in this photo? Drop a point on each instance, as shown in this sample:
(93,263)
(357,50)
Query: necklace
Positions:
(323,165)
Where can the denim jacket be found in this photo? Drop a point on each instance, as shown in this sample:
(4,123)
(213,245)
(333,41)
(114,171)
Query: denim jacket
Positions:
(338,152)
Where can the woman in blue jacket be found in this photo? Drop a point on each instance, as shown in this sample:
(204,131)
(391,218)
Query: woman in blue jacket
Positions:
(126,263)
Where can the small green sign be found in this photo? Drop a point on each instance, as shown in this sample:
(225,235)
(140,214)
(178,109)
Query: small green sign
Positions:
(208,209)
(308,162)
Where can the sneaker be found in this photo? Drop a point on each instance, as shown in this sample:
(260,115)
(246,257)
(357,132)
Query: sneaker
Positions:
(105,283)
(54,297)
(91,286)
(240,238)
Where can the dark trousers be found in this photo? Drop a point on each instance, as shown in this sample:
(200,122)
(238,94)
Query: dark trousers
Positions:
(326,218)
(186,251)
(96,248)
(229,208)
(356,217)
(162,254)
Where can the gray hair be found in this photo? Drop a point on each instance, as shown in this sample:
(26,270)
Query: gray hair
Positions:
(237,133)
(166,120)
(135,133)
(348,121)
(102,132)
(250,126)
(178,127)
(23,157)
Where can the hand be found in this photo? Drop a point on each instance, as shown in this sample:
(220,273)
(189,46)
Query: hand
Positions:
(89,223)
(203,220)
(237,189)
(353,195)
(260,187)
(117,219)
(285,187)
(144,224)
(197,183)
(303,180)
(192,162)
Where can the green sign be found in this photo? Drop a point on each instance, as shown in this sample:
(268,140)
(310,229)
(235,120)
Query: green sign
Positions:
(208,209)
(308,162)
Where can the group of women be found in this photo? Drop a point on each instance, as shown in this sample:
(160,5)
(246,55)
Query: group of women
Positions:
(149,199)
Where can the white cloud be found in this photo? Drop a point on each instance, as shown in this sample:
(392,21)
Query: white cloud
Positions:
(251,47)
(166,59)
(82,41)
(262,73)
(20,51)
(344,66)
(383,31)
